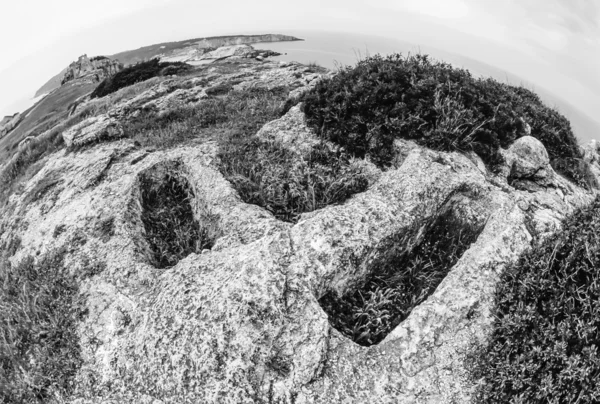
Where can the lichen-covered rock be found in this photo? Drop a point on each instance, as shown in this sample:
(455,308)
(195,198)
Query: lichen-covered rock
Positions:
(528,164)
(8,123)
(529,159)
(91,130)
(242,322)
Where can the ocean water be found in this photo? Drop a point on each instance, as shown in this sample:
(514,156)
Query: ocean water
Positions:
(334,50)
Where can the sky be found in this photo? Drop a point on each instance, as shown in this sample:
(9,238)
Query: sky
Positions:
(554,44)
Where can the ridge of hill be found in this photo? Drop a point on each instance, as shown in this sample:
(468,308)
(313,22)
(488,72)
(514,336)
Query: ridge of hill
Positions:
(166,48)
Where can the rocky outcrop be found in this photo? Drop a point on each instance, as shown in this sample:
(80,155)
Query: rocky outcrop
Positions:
(91,70)
(195,56)
(8,123)
(171,94)
(243,322)
(100,128)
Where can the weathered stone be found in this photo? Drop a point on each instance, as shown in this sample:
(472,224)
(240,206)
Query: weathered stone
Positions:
(241,322)
(8,123)
(93,129)
(92,70)
(529,159)
(528,165)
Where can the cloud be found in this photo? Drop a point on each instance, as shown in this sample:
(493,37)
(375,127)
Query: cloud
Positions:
(443,9)
(30,25)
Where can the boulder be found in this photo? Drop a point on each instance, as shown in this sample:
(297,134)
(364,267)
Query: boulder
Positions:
(528,164)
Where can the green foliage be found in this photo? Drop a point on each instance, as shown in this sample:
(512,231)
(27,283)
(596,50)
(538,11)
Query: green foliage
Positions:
(400,282)
(139,72)
(271,176)
(546,338)
(364,108)
(39,349)
(171,229)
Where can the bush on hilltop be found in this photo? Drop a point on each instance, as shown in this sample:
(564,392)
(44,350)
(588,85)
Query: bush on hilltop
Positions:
(364,108)
(139,72)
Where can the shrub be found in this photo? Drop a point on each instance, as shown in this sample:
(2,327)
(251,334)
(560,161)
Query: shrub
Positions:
(400,282)
(546,338)
(39,349)
(139,72)
(364,108)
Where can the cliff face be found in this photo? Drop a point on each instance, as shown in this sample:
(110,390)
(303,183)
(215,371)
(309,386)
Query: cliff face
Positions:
(91,70)
(244,321)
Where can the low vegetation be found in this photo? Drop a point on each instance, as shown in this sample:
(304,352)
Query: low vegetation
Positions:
(27,163)
(263,173)
(546,339)
(136,73)
(170,227)
(224,117)
(401,281)
(271,176)
(364,108)
(39,348)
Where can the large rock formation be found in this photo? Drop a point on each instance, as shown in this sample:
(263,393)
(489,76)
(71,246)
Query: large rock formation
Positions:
(92,70)
(8,123)
(243,321)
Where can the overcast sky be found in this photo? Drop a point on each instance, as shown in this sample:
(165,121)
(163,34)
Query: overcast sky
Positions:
(554,44)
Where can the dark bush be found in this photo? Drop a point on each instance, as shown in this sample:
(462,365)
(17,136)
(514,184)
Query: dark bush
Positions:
(364,108)
(545,344)
(134,74)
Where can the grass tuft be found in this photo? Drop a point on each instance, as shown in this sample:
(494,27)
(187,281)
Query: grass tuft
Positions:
(39,348)
(268,175)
